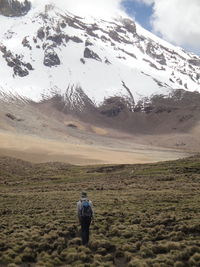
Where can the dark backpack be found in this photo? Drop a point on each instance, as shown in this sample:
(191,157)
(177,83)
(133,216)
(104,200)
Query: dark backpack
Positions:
(86,209)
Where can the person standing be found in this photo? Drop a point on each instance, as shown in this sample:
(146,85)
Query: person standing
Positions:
(85,213)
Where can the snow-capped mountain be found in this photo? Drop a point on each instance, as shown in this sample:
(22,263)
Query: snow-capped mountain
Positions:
(49,51)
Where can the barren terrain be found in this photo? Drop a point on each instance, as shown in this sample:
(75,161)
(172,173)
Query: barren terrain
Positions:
(29,133)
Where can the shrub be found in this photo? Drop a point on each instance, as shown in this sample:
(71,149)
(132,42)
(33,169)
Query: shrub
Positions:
(95,244)
(108,257)
(75,242)
(119,253)
(12,265)
(137,263)
(146,252)
(179,264)
(72,257)
(195,260)
(128,256)
(101,251)
(28,255)
(160,248)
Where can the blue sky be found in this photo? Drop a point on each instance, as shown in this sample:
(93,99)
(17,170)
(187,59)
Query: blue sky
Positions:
(176,21)
(140,11)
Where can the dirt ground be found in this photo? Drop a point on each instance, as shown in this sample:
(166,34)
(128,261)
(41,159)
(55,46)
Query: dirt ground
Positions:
(29,134)
(37,149)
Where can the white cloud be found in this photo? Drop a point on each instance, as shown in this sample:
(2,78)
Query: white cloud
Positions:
(96,8)
(148,2)
(178,21)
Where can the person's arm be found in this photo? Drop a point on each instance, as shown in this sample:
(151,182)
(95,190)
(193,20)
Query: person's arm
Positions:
(78,210)
(92,210)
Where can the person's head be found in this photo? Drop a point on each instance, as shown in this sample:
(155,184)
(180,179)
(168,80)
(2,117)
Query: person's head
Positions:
(83,194)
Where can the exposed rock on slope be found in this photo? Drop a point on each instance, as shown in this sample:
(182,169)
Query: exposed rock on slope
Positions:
(49,51)
(51,58)
(14,8)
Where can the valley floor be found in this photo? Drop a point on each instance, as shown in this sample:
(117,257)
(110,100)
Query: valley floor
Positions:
(102,150)
(28,133)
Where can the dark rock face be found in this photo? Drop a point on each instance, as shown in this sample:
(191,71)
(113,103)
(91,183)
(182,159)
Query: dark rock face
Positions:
(26,43)
(128,53)
(16,62)
(63,25)
(82,60)
(129,25)
(88,43)
(90,54)
(195,62)
(107,61)
(51,58)
(76,39)
(72,125)
(72,22)
(57,38)
(115,36)
(19,71)
(28,66)
(113,106)
(14,8)
(41,34)
(152,64)
(151,50)
(13,117)
(82,106)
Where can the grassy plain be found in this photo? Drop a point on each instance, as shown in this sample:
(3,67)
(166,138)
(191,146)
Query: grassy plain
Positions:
(146,214)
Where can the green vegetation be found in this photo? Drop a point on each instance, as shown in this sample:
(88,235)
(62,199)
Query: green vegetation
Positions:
(146,215)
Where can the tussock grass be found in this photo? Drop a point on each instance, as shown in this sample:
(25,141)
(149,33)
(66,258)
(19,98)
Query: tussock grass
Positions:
(146,215)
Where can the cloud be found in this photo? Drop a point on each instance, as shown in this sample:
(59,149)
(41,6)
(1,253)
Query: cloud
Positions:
(96,8)
(148,2)
(177,21)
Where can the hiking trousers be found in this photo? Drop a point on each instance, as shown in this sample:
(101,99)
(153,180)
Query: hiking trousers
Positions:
(85,225)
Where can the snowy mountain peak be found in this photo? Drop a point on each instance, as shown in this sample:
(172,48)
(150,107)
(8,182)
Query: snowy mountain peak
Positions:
(50,52)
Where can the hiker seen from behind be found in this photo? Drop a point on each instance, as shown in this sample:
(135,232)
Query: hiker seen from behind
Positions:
(85,213)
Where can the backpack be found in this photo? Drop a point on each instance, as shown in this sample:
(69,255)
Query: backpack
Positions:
(86,210)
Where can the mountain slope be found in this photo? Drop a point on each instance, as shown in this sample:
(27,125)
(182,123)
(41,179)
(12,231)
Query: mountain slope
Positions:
(51,52)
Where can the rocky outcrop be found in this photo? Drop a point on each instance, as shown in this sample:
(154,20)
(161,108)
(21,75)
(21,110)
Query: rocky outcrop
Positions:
(128,53)
(195,62)
(90,54)
(152,51)
(75,101)
(13,117)
(88,43)
(14,8)
(73,22)
(51,58)
(20,68)
(129,25)
(113,106)
(76,39)
(56,38)
(26,43)
(115,36)
(41,33)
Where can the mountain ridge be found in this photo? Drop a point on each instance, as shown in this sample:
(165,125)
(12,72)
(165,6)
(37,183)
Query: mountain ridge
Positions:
(97,83)
(103,58)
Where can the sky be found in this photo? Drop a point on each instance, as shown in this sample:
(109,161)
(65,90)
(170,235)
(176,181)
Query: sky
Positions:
(176,21)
